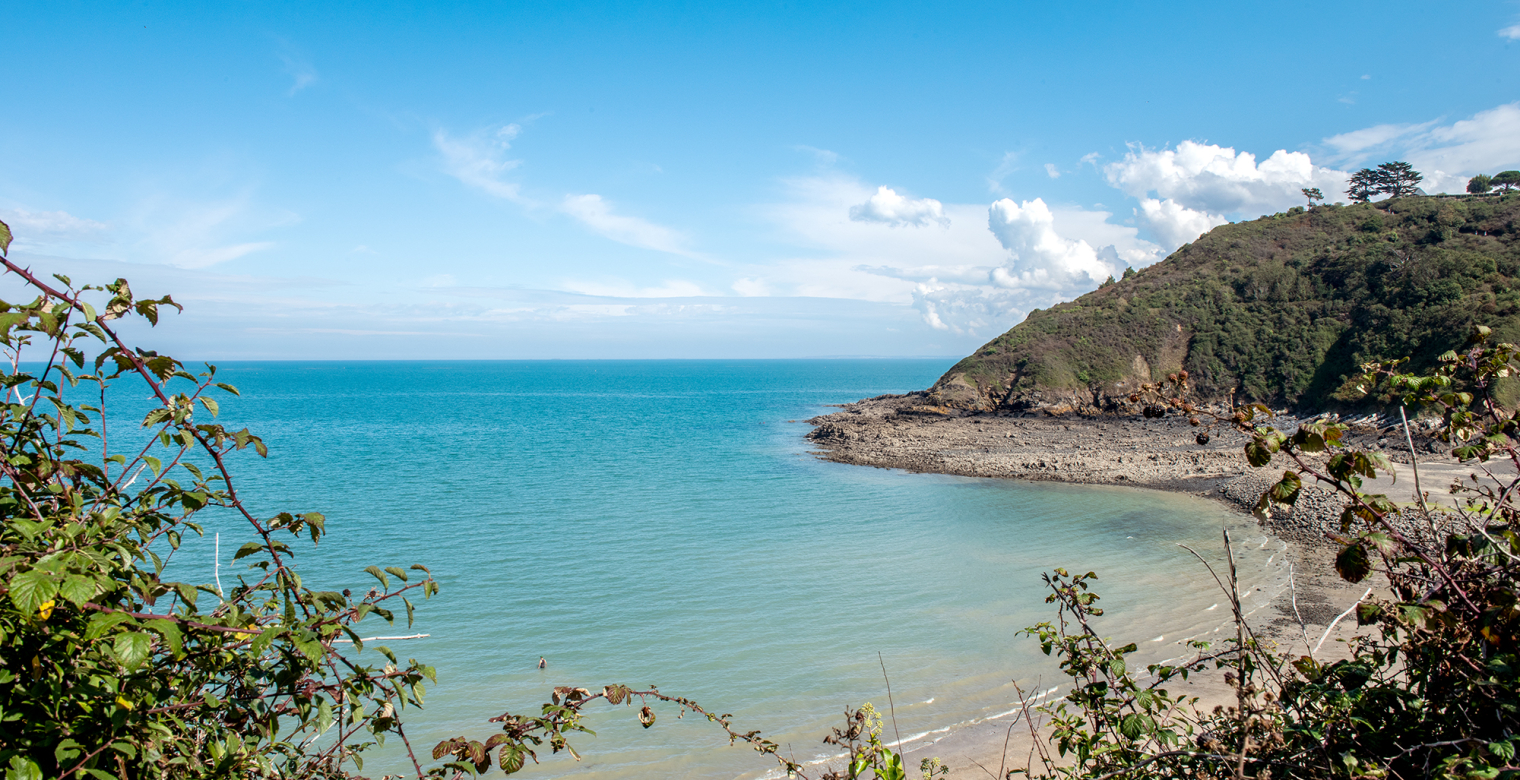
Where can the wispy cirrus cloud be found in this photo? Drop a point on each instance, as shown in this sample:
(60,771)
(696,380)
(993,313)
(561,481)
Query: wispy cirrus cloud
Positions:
(480,161)
(595,212)
(46,229)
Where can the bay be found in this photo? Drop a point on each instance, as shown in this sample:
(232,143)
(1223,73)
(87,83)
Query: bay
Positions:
(664,523)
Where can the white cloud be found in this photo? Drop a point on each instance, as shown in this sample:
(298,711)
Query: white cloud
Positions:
(1052,171)
(42,228)
(1446,154)
(1511,32)
(1487,142)
(197,232)
(480,161)
(1354,143)
(962,279)
(597,214)
(888,207)
(1041,257)
(1175,224)
(1219,180)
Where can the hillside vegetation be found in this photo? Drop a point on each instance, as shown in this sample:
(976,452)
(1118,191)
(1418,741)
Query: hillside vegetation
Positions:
(1283,309)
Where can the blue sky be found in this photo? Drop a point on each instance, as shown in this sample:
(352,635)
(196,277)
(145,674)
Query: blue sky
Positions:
(578,180)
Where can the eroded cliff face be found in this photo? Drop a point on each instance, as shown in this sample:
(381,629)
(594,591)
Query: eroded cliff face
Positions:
(1020,389)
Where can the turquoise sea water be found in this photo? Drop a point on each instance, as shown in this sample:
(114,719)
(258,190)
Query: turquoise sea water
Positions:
(652,522)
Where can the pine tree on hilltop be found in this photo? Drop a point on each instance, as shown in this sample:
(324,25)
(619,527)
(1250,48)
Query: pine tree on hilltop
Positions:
(1313,194)
(1364,184)
(1507,180)
(1480,184)
(1398,179)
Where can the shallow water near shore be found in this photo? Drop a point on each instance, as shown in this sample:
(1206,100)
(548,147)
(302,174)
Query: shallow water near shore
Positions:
(663,523)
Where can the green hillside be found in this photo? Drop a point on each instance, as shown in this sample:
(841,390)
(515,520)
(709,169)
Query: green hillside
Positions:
(1282,309)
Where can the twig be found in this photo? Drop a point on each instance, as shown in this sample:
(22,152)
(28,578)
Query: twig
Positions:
(1338,619)
(890,706)
(1293,588)
(381,638)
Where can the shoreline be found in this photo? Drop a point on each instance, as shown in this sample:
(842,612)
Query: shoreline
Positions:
(903,432)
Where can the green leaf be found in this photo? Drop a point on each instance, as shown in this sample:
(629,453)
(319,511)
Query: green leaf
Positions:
(375,572)
(511,759)
(264,640)
(30,590)
(131,649)
(21,768)
(1257,455)
(5,245)
(324,716)
(77,588)
(1287,489)
(101,622)
(247,550)
(1353,564)
(169,630)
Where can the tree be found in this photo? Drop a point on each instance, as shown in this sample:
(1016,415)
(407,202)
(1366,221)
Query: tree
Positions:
(1364,184)
(1314,195)
(1507,180)
(1480,184)
(1397,179)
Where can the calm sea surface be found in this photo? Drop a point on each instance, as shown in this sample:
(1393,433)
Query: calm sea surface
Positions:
(663,523)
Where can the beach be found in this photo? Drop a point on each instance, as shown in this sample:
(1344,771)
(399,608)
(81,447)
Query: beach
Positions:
(905,432)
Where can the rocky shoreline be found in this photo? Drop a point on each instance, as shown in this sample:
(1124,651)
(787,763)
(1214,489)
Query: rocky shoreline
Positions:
(909,432)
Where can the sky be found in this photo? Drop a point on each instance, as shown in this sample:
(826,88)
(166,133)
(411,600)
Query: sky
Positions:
(696,180)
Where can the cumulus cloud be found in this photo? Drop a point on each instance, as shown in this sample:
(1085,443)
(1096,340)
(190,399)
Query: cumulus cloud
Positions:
(1195,186)
(1040,257)
(479,160)
(597,214)
(890,208)
(1052,171)
(1175,224)
(1511,32)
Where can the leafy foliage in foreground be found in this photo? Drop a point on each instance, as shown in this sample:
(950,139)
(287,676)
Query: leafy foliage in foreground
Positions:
(1282,310)
(1432,689)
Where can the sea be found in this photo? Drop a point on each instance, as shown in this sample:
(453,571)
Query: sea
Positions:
(666,524)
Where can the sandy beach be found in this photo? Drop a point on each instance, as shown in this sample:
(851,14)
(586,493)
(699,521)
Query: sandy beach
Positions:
(902,432)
